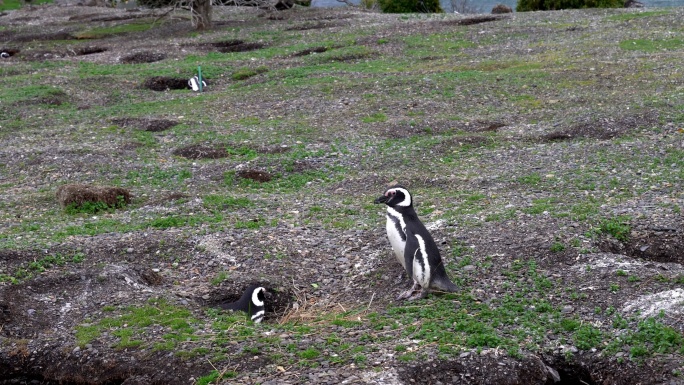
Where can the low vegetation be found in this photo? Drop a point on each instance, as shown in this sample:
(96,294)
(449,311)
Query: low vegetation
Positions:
(544,151)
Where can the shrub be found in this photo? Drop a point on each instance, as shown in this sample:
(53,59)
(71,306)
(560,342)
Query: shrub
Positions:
(410,6)
(549,5)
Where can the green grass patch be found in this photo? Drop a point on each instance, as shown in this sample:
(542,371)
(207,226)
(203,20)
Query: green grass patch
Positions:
(246,73)
(617,227)
(636,15)
(223,202)
(98,33)
(133,320)
(650,337)
(30,269)
(648,45)
(8,5)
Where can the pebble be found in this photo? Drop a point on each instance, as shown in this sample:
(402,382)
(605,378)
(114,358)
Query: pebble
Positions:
(129,250)
(567,309)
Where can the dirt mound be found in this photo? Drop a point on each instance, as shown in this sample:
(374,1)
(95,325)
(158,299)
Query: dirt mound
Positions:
(152,125)
(255,175)
(480,369)
(309,51)
(79,194)
(603,128)
(473,20)
(200,151)
(89,50)
(142,57)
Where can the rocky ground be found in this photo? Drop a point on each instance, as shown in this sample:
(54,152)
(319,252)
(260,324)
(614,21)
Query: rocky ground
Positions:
(525,188)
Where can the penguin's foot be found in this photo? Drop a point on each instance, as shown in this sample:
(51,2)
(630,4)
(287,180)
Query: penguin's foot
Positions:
(408,293)
(423,293)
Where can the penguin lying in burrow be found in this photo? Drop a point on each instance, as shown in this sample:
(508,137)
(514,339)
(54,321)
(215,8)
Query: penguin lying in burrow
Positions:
(413,245)
(251,302)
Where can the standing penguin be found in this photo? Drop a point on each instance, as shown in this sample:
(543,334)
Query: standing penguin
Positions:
(251,302)
(413,245)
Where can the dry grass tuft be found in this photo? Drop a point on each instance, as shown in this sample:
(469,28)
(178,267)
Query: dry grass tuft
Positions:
(78,194)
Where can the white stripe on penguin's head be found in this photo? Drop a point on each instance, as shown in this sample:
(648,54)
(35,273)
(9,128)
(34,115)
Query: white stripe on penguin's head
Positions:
(258,296)
(395,192)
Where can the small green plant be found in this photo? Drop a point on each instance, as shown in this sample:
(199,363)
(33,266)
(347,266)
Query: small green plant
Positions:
(532,179)
(621,273)
(615,227)
(215,377)
(557,247)
(220,277)
(309,354)
(587,337)
(377,117)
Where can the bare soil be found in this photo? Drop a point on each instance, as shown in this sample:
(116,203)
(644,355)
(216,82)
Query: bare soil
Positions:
(351,267)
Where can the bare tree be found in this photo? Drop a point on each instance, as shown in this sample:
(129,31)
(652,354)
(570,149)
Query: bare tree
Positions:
(465,6)
(200,11)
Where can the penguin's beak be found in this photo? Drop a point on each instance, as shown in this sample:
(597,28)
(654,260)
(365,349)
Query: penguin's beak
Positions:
(381,199)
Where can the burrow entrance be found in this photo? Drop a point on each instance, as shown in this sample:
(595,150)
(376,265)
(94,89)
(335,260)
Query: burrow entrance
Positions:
(657,243)
(164,83)
(151,125)
(236,45)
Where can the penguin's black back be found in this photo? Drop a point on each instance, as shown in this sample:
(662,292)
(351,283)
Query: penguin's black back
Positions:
(415,226)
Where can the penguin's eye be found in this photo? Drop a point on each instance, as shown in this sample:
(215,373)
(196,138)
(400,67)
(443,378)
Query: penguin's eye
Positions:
(393,193)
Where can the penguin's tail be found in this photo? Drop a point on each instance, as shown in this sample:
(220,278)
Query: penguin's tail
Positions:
(444,284)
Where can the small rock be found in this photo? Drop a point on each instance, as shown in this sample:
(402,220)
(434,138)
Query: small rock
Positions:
(129,250)
(567,309)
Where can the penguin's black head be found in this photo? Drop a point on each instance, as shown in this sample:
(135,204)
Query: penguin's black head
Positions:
(256,305)
(396,196)
(252,302)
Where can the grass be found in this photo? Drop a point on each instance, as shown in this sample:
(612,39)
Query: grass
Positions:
(348,121)
(617,227)
(518,320)
(8,5)
(636,15)
(648,45)
(96,33)
(27,270)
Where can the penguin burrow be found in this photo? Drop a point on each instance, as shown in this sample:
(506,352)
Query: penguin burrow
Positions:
(251,302)
(413,245)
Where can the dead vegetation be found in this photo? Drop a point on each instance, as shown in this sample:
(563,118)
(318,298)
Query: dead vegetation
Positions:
(79,194)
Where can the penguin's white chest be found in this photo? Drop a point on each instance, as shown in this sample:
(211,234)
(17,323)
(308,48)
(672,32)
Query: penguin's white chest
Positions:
(395,232)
